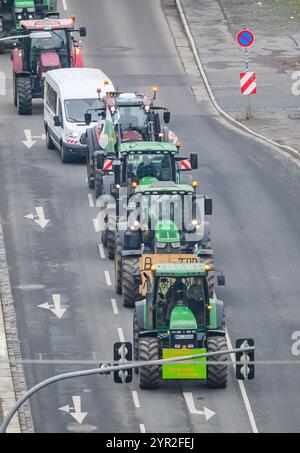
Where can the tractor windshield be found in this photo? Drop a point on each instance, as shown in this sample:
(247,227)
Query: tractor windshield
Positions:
(139,166)
(75,110)
(173,291)
(58,42)
(133,118)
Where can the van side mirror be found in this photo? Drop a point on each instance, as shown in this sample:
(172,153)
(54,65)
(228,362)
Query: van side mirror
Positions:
(57,121)
(88,118)
(208,208)
(167,117)
(82,32)
(194,161)
(221,280)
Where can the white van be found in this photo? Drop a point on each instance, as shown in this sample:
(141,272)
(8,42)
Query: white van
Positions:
(69,94)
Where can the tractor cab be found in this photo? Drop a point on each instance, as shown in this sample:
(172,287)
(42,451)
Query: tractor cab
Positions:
(47,44)
(179,318)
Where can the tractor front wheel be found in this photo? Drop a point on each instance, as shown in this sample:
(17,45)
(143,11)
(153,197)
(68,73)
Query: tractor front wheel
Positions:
(24,96)
(150,376)
(217,374)
(130,291)
(110,244)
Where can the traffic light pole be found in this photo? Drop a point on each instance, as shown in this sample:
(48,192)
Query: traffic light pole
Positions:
(106,369)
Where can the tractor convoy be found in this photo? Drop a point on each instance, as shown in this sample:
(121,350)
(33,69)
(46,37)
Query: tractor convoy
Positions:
(153,221)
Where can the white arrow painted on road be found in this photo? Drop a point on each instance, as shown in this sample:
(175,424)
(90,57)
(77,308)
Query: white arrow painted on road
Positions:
(57,310)
(77,414)
(207,413)
(29,142)
(39,217)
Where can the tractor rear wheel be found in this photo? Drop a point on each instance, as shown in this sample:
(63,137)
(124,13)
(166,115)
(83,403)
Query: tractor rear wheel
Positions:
(118,268)
(130,291)
(217,374)
(110,244)
(135,340)
(24,96)
(149,375)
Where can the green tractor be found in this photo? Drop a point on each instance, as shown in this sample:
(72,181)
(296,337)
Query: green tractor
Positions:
(176,318)
(12,12)
(167,227)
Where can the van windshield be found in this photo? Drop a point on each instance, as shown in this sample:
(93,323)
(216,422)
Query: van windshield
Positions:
(76,109)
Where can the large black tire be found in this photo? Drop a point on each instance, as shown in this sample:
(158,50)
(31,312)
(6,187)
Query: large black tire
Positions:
(98,188)
(130,291)
(104,238)
(111,244)
(135,340)
(49,141)
(118,268)
(15,93)
(150,376)
(217,374)
(24,96)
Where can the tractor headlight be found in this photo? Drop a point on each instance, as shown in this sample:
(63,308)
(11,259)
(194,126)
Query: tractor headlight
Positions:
(30,16)
(175,245)
(72,134)
(135,226)
(161,245)
(19,17)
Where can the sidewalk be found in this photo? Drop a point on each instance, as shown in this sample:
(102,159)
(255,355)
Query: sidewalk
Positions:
(274,57)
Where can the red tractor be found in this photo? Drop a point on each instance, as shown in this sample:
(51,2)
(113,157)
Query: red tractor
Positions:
(47,44)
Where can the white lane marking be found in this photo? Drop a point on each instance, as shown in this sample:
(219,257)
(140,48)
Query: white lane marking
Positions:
(107,278)
(101,251)
(96,225)
(207,413)
(75,411)
(121,335)
(136,399)
(244,393)
(65,5)
(115,306)
(39,217)
(143,428)
(91,200)
(55,307)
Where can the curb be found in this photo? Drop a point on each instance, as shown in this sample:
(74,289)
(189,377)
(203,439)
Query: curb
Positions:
(12,383)
(225,115)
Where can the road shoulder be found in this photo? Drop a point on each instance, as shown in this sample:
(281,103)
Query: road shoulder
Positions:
(12,382)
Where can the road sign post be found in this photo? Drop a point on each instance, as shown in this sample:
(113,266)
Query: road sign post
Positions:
(245,38)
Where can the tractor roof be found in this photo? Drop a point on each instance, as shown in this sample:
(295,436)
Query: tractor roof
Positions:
(149,147)
(180,270)
(166,187)
(47,24)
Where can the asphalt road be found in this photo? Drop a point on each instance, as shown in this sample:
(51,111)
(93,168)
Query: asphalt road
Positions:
(255,233)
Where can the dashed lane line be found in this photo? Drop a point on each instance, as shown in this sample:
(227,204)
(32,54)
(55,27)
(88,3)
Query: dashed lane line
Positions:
(101,251)
(91,200)
(115,306)
(142,428)
(96,225)
(136,399)
(107,278)
(121,335)
(65,5)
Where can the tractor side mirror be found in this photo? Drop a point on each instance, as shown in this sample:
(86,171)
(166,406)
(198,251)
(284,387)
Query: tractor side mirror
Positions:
(167,117)
(208,206)
(137,280)
(57,121)
(221,280)
(100,161)
(82,32)
(194,161)
(83,139)
(88,118)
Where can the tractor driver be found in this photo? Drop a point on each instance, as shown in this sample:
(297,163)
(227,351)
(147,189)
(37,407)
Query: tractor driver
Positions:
(196,298)
(128,120)
(146,170)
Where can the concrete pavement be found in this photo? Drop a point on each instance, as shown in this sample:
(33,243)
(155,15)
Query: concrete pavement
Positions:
(274,57)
